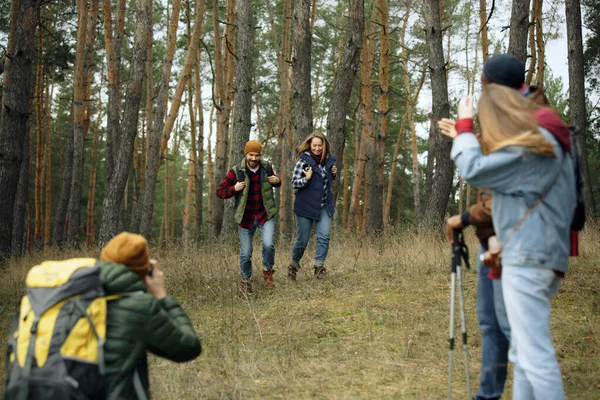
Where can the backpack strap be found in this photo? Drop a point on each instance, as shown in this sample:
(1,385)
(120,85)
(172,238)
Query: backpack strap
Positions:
(24,392)
(11,347)
(137,385)
(81,308)
(239,174)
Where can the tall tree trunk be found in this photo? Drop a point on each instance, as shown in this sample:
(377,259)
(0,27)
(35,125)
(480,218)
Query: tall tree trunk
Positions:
(343,80)
(48,167)
(114,193)
(90,224)
(222,121)
(539,42)
(484,30)
(366,140)
(15,110)
(60,225)
(519,26)
(19,231)
(303,115)
(136,213)
(284,123)
(200,156)
(377,161)
(444,170)
(243,93)
(577,108)
(39,146)
(74,208)
(153,144)
(112,42)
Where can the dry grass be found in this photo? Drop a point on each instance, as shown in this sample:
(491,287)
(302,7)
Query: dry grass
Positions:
(377,327)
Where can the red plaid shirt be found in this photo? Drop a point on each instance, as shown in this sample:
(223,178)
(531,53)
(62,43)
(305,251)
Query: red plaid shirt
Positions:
(255,208)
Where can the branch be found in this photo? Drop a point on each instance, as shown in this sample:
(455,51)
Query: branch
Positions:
(489,16)
(212,71)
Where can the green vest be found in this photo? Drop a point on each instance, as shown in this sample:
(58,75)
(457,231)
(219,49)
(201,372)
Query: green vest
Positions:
(266,189)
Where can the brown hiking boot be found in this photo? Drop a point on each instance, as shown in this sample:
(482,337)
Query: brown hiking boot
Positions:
(268,275)
(292,270)
(320,271)
(246,287)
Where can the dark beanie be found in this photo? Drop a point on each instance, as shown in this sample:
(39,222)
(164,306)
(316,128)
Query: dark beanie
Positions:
(505,70)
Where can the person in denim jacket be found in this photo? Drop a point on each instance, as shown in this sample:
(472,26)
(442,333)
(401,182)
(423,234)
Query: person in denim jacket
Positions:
(530,175)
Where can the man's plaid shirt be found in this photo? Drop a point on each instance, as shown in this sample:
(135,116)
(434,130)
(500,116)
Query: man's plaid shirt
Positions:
(255,208)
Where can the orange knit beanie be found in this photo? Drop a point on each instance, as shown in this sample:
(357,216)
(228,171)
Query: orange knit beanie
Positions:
(253,146)
(129,249)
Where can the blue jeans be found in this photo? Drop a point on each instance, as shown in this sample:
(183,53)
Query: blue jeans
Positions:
(527,292)
(493,322)
(267,231)
(304,226)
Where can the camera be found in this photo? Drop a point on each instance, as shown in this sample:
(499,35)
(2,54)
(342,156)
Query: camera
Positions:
(306,167)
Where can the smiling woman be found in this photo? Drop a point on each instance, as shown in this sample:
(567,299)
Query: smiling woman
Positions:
(313,174)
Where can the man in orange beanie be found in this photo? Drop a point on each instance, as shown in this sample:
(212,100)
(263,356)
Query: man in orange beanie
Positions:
(251,183)
(139,322)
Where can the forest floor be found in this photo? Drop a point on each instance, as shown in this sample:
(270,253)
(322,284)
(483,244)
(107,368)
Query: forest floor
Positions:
(375,328)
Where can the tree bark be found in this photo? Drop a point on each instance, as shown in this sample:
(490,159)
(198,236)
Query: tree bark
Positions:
(113,66)
(242,109)
(222,117)
(366,140)
(39,146)
(519,26)
(115,191)
(48,167)
(341,88)
(377,161)
(577,107)
(285,129)
(444,170)
(199,218)
(484,30)
(15,110)
(19,231)
(153,143)
(74,207)
(301,64)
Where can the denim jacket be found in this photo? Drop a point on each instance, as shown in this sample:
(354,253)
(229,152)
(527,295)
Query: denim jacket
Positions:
(518,178)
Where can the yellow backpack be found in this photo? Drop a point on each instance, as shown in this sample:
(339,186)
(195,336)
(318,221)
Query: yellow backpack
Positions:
(56,347)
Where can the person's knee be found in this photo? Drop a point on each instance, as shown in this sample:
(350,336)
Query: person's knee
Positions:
(245,254)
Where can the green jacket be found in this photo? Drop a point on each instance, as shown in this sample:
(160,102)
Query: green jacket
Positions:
(268,199)
(138,323)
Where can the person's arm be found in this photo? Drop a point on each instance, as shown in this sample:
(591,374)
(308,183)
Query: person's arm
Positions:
(496,171)
(169,332)
(229,187)
(299,177)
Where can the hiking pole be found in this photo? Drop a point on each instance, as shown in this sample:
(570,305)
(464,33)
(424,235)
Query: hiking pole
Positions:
(459,250)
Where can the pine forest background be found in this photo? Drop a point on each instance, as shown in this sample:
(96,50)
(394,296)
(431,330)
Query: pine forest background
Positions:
(125,115)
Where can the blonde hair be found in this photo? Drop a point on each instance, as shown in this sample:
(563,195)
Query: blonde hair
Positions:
(305,146)
(506,119)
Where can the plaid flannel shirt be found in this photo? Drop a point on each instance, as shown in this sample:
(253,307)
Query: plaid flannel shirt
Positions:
(299,179)
(255,208)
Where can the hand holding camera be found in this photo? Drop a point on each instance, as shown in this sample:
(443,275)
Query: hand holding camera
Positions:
(308,172)
(155,281)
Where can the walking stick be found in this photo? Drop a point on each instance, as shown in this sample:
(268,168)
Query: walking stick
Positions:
(459,250)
